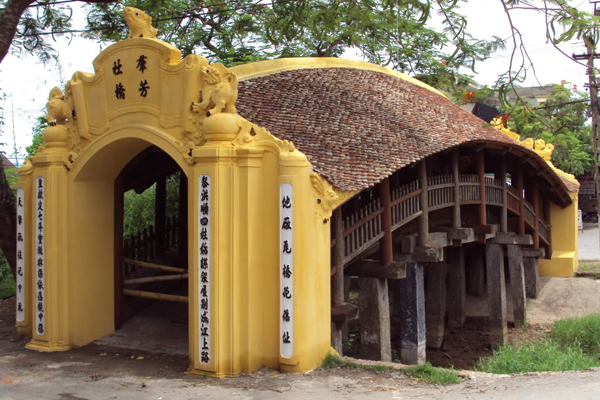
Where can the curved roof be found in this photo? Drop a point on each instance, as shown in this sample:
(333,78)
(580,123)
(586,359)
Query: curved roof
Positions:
(357,122)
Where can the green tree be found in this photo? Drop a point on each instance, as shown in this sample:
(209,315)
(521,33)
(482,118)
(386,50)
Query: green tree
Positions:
(37,141)
(562,121)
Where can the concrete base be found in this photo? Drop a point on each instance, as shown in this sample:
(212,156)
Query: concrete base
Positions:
(374,312)
(435,304)
(496,289)
(457,286)
(412,291)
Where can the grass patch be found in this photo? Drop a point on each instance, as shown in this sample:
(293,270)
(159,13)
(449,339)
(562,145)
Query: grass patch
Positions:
(538,356)
(426,372)
(594,267)
(583,332)
(434,375)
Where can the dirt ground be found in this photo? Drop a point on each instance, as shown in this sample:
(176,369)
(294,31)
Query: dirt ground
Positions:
(462,347)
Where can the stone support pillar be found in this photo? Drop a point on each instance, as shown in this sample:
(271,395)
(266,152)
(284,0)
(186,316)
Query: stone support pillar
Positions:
(476,281)
(496,290)
(531,272)
(412,350)
(337,280)
(517,283)
(375,342)
(457,286)
(435,304)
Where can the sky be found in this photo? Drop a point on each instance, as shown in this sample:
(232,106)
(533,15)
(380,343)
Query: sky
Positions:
(27,83)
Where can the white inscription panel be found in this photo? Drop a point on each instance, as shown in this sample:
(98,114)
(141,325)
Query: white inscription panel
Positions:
(286,278)
(39,256)
(20,255)
(204,268)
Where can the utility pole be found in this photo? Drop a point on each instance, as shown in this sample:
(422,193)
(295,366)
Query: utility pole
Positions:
(591,55)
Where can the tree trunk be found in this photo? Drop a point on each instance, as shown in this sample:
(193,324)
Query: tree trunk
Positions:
(8,219)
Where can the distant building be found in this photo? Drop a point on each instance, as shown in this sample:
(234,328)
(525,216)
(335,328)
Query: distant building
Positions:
(6,163)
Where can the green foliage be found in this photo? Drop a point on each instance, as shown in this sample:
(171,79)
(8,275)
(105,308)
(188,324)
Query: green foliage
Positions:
(559,123)
(332,361)
(37,142)
(239,31)
(431,374)
(7,282)
(537,356)
(584,331)
(138,209)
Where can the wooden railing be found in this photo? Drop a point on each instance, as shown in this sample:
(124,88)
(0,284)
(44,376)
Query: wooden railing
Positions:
(363,228)
(143,245)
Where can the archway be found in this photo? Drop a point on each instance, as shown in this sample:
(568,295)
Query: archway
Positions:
(95,182)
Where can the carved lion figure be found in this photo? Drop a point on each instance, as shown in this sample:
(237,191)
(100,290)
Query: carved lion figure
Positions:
(220,91)
(546,153)
(58,111)
(139,23)
(539,145)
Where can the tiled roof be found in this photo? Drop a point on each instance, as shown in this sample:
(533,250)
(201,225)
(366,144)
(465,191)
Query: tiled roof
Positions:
(358,126)
(6,163)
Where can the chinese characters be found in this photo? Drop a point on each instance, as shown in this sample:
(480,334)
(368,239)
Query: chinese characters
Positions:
(39,257)
(141,66)
(20,256)
(286,259)
(204,267)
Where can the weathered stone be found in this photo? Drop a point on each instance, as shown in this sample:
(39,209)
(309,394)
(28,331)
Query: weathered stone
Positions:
(517,283)
(435,304)
(496,294)
(336,337)
(412,344)
(375,342)
(532,274)
(456,287)
(476,277)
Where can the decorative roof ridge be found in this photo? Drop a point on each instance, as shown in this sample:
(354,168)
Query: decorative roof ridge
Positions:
(271,67)
(539,146)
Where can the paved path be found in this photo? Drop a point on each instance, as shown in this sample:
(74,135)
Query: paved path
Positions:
(52,382)
(589,242)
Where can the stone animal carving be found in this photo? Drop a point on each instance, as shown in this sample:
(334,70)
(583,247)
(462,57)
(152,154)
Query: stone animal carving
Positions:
(539,145)
(528,143)
(58,110)
(220,91)
(546,152)
(139,23)
(326,196)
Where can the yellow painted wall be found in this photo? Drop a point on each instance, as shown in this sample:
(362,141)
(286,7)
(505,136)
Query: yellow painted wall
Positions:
(565,241)
(82,158)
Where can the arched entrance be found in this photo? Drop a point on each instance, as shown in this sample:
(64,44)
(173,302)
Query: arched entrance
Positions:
(127,159)
(151,261)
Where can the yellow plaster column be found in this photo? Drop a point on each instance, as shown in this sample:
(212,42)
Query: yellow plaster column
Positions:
(49,279)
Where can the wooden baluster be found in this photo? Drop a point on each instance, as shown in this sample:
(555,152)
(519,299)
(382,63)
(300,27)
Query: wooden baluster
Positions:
(152,241)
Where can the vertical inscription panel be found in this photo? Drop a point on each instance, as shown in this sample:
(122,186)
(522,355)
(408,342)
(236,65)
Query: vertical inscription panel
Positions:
(20,255)
(204,268)
(286,246)
(39,256)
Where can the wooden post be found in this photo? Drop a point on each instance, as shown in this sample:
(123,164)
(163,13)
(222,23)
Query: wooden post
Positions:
(423,238)
(337,280)
(160,214)
(520,188)
(118,244)
(548,220)
(536,215)
(481,173)
(385,244)
(504,215)
(182,237)
(456,220)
